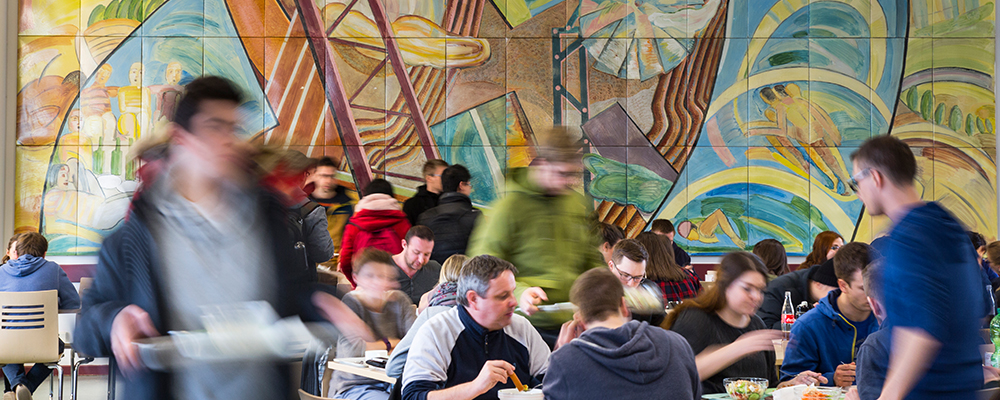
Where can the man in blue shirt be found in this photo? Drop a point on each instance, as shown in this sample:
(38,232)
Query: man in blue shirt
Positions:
(826,338)
(932,305)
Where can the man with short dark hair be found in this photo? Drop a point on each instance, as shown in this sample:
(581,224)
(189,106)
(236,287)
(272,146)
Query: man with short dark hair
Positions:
(826,338)
(666,228)
(29,271)
(339,206)
(202,235)
(935,334)
(417,273)
(628,262)
(454,217)
(806,284)
(428,194)
(604,355)
(469,352)
(873,354)
(610,235)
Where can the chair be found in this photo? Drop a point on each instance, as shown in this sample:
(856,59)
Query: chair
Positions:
(306,396)
(29,330)
(85,284)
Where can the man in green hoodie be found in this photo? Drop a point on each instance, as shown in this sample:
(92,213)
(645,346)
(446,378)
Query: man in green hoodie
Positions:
(545,228)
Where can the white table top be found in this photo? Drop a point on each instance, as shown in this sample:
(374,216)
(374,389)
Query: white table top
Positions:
(350,365)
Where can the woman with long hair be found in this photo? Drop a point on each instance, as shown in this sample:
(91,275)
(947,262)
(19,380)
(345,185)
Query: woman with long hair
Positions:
(675,282)
(722,327)
(824,247)
(772,253)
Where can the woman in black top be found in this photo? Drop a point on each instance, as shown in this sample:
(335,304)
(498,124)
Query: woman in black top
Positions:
(724,331)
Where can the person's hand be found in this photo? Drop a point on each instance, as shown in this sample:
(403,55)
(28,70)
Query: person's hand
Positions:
(341,316)
(844,375)
(130,324)
(530,300)
(852,394)
(570,330)
(808,378)
(493,372)
(759,340)
(990,374)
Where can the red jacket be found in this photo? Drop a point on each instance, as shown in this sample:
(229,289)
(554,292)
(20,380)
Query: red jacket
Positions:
(373,212)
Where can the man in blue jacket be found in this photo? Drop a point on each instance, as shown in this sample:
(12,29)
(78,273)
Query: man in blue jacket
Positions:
(29,271)
(826,338)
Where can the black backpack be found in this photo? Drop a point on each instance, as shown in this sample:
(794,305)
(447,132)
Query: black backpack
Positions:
(296,221)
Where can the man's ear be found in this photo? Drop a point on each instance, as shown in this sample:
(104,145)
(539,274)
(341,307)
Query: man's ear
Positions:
(843,285)
(623,308)
(471,298)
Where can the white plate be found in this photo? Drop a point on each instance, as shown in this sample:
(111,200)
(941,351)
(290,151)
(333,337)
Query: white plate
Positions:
(795,392)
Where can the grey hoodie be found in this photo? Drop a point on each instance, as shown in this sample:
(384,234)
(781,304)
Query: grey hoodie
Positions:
(633,361)
(28,273)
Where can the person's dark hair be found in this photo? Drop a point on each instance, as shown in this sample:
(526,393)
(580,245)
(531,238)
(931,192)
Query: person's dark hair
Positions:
(453,176)
(628,248)
(977,239)
(772,252)
(598,294)
(821,245)
(663,226)
(477,273)
(611,234)
(370,255)
(890,156)
(202,89)
(326,161)
(419,231)
(10,242)
(378,186)
(660,266)
(432,165)
(713,299)
(32,243)
(872,279)
(854,256)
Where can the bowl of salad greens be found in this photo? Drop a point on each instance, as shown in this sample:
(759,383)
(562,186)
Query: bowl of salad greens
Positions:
(745,388)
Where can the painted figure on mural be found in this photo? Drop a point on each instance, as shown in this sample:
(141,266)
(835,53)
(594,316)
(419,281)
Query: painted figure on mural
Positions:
(98,121)
(74,197)
(133,103)
(791,116)
(75,145)
(168,94)
(705,230)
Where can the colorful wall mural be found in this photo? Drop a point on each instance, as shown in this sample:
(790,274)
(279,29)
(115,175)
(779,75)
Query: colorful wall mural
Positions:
(735,119)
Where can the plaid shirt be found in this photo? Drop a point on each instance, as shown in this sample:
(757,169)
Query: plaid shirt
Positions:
(680,290)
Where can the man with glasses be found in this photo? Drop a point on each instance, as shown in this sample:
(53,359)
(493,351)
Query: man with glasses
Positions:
(628,263)
(545,228)
(933,305)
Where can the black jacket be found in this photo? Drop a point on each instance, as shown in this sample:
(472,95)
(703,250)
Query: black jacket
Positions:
(129,272)
(452,222)
(420,202)
(796,282)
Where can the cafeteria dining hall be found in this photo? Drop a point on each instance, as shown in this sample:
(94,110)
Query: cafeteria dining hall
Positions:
(499,199)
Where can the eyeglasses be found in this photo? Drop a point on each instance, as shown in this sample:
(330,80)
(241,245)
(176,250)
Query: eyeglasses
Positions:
(627,277)
(861,175)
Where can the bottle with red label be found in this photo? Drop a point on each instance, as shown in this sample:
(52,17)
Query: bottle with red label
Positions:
(787,315)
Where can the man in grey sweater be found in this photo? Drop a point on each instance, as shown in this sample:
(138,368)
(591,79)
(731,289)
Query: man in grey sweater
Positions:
(601,354)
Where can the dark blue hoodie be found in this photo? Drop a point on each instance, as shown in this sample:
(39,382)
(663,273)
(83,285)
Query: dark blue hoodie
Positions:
(823,338)
(28,273)
(633,361)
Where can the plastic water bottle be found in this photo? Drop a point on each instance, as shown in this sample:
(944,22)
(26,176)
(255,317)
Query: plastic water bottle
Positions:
(788,315)
(995,338)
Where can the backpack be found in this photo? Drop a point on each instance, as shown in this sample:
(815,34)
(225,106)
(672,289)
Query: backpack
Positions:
(384,238)
(296,221)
